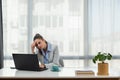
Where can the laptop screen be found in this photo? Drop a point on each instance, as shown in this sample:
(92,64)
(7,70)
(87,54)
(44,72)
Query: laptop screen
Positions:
(26,61)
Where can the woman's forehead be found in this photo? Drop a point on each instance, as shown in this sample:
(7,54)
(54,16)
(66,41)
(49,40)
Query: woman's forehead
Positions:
(37,40)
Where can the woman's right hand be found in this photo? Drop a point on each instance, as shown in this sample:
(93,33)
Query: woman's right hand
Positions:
(33,47)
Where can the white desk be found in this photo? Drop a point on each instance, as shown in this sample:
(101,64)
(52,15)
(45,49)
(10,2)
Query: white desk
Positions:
(65,73)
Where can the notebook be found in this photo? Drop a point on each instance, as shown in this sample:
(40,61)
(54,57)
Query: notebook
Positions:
(27,62)
(84,72)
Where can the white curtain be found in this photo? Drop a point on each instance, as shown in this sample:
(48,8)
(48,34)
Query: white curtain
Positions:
(15,26)
(104,26)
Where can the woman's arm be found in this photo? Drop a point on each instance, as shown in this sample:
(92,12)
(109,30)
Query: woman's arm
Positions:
(33,47)
(55,60)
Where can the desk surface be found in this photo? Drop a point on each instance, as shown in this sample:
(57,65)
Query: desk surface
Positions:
(64,73)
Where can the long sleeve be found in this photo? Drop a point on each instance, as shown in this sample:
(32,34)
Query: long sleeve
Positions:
(55,58)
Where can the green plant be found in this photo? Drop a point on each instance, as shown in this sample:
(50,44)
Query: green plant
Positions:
(102,57)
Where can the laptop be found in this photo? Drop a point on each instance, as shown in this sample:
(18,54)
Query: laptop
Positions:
(27,62)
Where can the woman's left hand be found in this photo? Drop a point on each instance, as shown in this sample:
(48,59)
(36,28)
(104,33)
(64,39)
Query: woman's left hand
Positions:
(42,65)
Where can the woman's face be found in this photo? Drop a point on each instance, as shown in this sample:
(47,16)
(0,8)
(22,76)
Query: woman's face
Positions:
(40,43)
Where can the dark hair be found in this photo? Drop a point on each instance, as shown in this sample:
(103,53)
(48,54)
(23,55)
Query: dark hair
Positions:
(37,36)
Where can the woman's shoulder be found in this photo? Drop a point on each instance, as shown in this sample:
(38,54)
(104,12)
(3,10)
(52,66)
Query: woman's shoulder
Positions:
(52,45)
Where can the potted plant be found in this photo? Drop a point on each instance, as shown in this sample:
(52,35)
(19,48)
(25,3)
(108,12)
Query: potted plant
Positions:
(103,67)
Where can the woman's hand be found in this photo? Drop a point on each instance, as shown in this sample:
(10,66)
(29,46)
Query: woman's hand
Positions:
(42,66)
(33,47)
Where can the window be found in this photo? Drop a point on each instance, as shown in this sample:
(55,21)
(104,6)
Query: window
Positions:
(59,22)
(80,28)
(104,27)
(15,26)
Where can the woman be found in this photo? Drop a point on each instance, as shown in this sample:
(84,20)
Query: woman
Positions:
(48,53)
